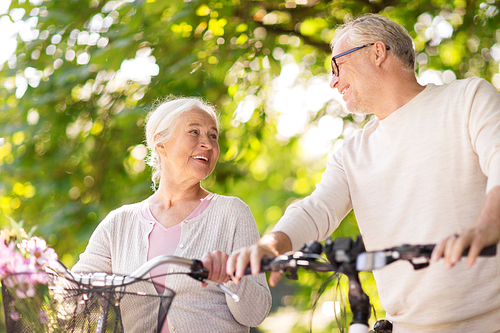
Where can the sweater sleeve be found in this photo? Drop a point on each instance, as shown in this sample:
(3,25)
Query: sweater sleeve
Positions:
(97,255)
(318,215)
(254,293)
(484,129)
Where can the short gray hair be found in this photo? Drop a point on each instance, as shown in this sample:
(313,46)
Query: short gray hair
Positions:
(371,28)
(160,124)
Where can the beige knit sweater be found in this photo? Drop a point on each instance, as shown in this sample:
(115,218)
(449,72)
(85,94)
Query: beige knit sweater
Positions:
(120,245)
(416,177)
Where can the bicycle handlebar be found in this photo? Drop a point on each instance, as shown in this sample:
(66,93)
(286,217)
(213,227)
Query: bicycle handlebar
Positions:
(195,266)
(349,257)
(101,279)
(365,260)
(105,279)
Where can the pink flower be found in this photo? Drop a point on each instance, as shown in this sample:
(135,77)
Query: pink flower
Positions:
(20,264)
(37,248)
(11,261)
(22,271)
(40,277)
(14,315)
(43,317)
(22,267)
(25,290)
(7,255)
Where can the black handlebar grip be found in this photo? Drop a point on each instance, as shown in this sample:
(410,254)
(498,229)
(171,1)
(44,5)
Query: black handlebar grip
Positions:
(488,251)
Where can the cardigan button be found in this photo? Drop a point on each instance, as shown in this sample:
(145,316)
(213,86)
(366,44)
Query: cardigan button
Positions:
(181,246)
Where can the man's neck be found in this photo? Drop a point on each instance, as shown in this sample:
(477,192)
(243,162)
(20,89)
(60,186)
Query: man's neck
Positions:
(399,90)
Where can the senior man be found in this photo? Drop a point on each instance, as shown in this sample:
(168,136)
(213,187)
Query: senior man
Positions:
(425,169)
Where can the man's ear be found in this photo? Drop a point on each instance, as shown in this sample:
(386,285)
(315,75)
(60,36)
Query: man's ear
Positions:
(380,52)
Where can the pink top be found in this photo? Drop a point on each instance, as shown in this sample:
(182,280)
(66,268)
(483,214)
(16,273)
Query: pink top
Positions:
(164,241)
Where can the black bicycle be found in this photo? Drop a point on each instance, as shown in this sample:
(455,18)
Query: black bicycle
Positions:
(92,302)
(349,257)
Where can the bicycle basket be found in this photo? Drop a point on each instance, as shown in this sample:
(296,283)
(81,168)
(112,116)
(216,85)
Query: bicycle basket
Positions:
(59,305)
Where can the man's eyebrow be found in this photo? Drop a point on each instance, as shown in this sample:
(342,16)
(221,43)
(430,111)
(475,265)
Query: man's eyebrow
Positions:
(341,60)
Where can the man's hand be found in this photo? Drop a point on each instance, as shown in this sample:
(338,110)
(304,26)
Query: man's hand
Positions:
(484,232)
(270,245)
(215,263)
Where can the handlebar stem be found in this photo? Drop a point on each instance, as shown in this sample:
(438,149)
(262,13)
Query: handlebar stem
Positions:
(342,254)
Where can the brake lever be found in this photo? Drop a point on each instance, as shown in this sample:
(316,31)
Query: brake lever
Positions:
(290,262)
(282,263)
(414,253)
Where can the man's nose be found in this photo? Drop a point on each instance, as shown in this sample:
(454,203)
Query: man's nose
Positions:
(334,81)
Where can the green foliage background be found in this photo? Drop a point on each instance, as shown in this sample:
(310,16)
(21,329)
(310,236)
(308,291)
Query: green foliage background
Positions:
(71,130)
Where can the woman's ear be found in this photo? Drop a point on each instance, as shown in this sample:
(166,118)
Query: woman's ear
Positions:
(160,147)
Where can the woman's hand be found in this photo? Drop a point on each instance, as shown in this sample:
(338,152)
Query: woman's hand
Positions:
(215,263)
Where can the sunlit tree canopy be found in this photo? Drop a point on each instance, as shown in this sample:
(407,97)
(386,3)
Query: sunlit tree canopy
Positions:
(79,76)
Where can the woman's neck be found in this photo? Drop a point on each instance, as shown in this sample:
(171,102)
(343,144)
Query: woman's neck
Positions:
(171,205)
(172,194)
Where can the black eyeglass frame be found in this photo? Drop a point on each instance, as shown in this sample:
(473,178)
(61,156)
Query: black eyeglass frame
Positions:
(335,67)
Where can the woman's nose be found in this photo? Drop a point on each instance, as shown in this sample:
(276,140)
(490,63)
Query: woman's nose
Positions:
(205,142)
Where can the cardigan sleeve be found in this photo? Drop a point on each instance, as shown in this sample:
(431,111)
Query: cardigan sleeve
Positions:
(254,293)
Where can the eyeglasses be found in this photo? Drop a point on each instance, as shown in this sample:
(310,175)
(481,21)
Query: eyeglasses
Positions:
(335,67)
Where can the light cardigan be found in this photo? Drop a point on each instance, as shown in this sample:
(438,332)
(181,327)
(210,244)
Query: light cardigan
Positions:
(416,177)
(120,245)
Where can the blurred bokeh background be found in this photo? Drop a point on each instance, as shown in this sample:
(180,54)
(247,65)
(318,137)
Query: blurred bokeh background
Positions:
(78,77)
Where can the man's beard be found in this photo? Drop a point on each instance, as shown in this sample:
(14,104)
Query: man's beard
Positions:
(362,102)
(358,106)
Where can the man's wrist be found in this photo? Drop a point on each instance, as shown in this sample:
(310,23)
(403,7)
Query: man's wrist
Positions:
(277,242)
(490,212)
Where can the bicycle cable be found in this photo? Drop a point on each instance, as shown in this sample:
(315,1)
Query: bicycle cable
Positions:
(320,292)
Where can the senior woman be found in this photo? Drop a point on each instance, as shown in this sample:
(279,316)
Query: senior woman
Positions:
(183,219)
